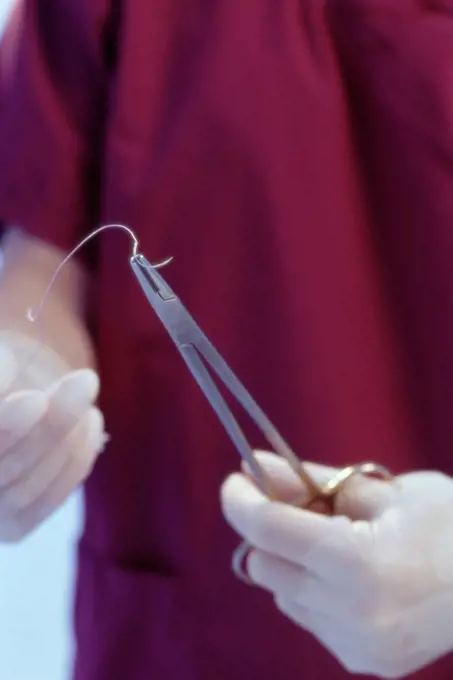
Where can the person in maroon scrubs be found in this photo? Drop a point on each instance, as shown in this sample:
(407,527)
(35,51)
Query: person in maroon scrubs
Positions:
(295,160)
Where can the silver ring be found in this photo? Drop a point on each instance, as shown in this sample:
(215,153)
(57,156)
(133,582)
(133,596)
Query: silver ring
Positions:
(239,562)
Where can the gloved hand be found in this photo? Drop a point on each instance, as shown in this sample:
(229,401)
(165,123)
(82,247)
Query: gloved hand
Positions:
(50,435)
(374,584)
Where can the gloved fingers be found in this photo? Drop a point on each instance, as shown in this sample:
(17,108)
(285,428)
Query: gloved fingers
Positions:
(360,498)
(83,440)
(349,602)
(28,439)
(69,399)
(326,545)
(20,412)
(25,363)
(345,642)
(8,368)
(327,631)
(384,653)
(312,622)
(36,497)
(289,581)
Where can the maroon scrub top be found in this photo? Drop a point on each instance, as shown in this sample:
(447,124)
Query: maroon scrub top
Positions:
(296,159)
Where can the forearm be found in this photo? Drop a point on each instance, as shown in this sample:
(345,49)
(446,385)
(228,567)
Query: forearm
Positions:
(28,268)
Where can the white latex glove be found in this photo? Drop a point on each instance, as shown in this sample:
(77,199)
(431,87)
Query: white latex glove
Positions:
(50,437)
(374,586)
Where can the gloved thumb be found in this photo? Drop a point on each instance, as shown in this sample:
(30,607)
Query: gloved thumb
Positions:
(361,497)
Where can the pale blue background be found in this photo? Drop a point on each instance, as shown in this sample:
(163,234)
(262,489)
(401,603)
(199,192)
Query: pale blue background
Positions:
(36,583)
